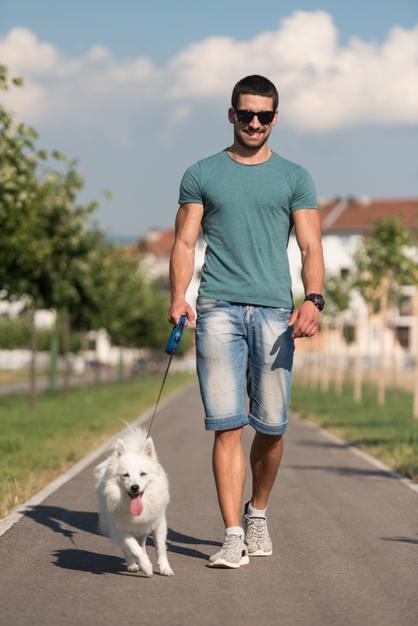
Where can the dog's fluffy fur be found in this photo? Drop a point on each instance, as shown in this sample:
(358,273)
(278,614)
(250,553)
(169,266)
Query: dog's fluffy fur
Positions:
(132,468)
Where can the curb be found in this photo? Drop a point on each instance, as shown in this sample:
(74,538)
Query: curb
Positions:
(12,518)
(360,453)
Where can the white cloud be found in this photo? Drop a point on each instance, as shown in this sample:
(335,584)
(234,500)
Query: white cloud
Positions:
(22,51)
(323,85)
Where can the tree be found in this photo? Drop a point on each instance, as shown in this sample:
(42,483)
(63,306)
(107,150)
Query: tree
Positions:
(43,240)
(337,292)
(385,262)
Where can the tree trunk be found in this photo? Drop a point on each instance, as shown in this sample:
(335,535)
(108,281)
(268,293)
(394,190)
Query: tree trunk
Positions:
(120,365)
(66,340)
(53,359)
(34,341)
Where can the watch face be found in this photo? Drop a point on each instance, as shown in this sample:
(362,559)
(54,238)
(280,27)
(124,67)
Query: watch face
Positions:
(317,299)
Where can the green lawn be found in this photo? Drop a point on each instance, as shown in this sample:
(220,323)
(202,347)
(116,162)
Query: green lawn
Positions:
(36,446)
(389,433)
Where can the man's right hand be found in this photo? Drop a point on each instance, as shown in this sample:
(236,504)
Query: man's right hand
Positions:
(179,308)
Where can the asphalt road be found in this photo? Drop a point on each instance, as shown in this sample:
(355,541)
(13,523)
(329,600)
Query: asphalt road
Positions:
(345,538)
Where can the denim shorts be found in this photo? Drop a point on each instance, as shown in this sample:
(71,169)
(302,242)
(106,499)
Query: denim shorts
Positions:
(244,350)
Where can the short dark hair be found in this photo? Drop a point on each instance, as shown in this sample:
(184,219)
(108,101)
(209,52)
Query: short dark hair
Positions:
(256,86)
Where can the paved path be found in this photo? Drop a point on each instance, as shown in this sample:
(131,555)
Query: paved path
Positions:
(345,539)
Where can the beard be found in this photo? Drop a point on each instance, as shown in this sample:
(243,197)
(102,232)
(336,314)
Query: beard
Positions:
(245,141)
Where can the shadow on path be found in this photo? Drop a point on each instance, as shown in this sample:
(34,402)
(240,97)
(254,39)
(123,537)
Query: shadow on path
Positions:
(58,518)
(401,539)
(343,471)
(85,561)
(55,517)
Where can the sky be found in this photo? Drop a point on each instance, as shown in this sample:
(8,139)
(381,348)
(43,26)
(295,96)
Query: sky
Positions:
(138,91)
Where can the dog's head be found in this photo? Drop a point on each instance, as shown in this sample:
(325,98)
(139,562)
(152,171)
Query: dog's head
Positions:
(135,469)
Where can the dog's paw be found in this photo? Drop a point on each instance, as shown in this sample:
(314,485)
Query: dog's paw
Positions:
(133,567)
(165,570)
(147,569)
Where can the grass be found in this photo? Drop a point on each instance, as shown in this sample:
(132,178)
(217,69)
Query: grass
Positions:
(37,446)
(389,433)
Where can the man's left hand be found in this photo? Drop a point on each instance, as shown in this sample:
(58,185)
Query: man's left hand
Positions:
(305,320)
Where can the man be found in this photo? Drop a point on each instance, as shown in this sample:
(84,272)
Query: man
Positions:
(247,199)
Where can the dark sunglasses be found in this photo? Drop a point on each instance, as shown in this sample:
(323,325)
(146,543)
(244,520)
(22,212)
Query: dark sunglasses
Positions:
(245,117)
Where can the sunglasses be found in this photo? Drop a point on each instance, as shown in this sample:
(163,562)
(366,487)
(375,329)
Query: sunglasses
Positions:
(245,117)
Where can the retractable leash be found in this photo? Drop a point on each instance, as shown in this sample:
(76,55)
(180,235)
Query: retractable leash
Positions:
(171,347)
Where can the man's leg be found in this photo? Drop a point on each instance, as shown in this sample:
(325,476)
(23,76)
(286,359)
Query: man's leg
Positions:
(221,351)
(265,457)
(271,349)
(229,472)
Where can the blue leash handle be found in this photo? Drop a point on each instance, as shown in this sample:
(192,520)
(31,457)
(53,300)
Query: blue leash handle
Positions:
(175,336)
(172,345)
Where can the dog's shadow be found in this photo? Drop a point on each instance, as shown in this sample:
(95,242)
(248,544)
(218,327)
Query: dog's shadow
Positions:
(59,520)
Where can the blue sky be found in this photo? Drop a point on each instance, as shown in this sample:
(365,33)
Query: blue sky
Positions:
(138,91)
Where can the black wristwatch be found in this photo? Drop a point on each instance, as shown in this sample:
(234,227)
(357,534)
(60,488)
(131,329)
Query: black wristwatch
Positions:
(317,299)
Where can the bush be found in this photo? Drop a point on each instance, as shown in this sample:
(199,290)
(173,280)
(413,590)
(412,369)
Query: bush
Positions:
(16,333)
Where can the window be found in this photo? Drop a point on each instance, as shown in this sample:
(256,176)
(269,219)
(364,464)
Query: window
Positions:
(405,305)
(403,336)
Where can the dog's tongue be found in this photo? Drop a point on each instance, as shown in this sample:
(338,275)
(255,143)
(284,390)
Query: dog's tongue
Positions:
(136,505)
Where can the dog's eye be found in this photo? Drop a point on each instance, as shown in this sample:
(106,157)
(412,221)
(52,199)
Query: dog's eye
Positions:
(126,475)
(143,474)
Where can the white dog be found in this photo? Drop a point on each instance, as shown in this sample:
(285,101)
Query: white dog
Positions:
(132,488)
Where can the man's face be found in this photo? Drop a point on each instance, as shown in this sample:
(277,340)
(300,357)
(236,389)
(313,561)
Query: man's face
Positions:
(252,134)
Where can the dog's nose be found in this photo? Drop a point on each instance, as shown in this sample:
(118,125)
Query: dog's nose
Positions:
(134,488)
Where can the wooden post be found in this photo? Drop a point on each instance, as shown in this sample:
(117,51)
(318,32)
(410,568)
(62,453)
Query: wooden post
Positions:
(339,370)
(416,354)
(381,392)
(325,361)
(358,369)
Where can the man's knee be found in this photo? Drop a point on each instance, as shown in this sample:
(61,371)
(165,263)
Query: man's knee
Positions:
(229,437)
(268,441)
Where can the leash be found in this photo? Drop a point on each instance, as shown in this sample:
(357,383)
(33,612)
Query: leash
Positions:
(171,347)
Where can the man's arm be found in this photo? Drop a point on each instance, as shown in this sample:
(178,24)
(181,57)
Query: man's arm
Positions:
(188,220)
(308,235)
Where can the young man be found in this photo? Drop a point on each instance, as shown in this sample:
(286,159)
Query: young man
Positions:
(247,199)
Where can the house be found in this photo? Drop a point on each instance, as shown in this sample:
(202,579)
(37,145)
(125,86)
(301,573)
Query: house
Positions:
(155,249)
(344,222)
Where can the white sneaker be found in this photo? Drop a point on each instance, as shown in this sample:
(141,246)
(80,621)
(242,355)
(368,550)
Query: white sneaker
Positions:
(233,553)
(257,535)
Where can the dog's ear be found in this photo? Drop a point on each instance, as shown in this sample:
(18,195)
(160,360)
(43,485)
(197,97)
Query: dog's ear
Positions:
(120,447)
(150,450)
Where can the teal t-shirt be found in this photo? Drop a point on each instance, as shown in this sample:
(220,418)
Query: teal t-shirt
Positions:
(246,224)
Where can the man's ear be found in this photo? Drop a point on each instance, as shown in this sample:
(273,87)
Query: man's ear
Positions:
(275,118)
(231,115)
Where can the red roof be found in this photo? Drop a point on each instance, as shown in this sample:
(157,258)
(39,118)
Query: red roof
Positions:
(350,215)
(360,215)
(157,242)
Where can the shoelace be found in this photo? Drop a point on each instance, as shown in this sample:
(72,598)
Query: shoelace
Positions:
(229,541)
(259,525)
